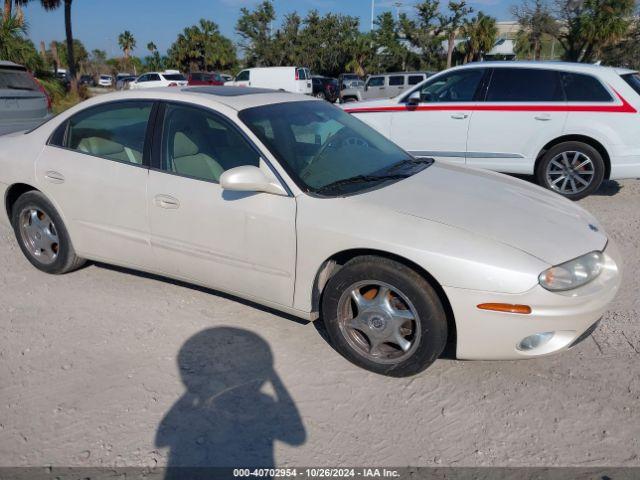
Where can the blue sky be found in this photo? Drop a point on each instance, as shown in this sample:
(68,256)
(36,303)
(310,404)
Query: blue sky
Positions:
(99,22)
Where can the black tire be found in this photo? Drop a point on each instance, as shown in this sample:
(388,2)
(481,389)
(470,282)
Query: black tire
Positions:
(571,148)
(65,259)
(432,324)
(320,95)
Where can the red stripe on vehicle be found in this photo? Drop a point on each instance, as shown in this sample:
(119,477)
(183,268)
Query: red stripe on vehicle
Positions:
(624,107)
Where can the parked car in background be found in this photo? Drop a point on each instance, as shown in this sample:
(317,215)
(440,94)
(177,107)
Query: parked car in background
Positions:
(226,77)
(325,88)
(389,85)
(346,80)
(23,102)
(87,80)
(168,78)
(289,79)
(571,125)
(205,78)
(105,81)
(123,82)
(354,93)
(280,200)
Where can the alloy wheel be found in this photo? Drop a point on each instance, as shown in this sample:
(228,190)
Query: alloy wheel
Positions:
(379,322)
(570,172)
(39,235)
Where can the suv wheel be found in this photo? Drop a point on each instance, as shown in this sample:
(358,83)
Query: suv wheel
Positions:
(384,316)
(572,169)
(42,236)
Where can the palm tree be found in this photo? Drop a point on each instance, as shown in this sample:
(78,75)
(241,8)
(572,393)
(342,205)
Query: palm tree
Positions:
(53,5)
(152,47)
(127,43)
(481,32)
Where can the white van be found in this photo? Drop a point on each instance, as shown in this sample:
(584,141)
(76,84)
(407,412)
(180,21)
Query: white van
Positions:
(290,79)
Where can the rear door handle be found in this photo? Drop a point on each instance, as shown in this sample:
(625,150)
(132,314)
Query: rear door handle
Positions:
(167,201)
(54,177)
(543,118)
(459,116)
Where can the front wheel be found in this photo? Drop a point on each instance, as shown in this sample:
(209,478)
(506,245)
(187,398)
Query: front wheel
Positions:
(384,317)
(572,169)
(42,236)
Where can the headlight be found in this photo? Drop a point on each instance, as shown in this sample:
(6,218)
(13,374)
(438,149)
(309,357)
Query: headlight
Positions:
(574,273)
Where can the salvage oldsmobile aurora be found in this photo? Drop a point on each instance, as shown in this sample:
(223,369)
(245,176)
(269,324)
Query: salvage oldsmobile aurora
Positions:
(296,205)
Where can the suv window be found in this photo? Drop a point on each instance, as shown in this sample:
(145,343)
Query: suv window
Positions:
(199,144)
(525,85)
(396,80)
(143,78)
(584,88)
(633,79)
(17,80)
(243,76)
(113,131)
(415,79)
(376,82)
(457,86)
(154,77)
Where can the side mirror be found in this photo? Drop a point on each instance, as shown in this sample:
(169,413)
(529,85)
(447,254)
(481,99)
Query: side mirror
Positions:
(414,99)
(249,179)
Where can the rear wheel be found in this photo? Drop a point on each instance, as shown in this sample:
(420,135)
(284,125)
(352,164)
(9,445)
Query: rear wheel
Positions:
(384,316)
(572,169)
(42,236)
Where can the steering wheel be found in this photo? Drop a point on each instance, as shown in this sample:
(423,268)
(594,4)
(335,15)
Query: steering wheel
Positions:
(341,137)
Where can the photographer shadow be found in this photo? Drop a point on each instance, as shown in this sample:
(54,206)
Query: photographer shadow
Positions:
(225,418)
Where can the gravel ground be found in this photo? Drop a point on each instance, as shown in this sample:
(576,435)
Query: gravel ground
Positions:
(104,367)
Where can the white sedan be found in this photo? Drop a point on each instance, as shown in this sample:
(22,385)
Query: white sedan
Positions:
(169,78)
(292,203)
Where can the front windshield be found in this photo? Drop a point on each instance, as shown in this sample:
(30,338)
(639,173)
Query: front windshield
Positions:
(326,150)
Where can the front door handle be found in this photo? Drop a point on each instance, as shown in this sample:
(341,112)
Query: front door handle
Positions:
(167,201)
(54,177)
(543,118)
(459,116)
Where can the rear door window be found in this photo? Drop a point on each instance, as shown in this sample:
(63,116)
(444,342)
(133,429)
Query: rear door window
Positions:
(396,80)
(525,85)
(415,79)
(584,88)
(114,131)
(376,82)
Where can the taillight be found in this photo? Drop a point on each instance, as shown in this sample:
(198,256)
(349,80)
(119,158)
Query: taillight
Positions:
(297,75)
(43,90)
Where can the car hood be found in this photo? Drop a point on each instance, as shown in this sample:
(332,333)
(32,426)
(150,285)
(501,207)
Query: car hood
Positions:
(502,208)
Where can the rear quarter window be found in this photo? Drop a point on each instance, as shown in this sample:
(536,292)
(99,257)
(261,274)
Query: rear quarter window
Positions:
(633,79)
(415,79)
(584,88)
(396,80)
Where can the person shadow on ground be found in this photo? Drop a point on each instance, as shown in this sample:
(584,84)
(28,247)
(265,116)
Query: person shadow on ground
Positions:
(227,417)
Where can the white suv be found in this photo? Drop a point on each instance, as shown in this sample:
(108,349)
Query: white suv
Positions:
(572,125)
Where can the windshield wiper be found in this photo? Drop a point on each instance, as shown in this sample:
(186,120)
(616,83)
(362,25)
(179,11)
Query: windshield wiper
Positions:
(360,179)
(16,87)
(409,161)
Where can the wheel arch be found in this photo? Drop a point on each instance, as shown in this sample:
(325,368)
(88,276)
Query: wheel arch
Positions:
(13,193)
(332,264)
(582,139)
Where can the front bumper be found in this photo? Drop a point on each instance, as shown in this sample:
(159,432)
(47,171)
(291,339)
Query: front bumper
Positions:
(490,335)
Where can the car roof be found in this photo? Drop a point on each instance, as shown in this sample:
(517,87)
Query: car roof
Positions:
(13,66)
(554,65)
(237,98)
